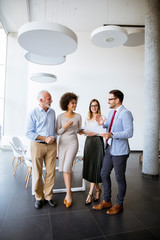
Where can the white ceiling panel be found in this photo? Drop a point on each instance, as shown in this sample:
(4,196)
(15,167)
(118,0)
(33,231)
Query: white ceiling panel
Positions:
(13,13)
(79,15)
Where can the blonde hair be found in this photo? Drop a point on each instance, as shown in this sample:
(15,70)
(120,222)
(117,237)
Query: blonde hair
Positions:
(90,114)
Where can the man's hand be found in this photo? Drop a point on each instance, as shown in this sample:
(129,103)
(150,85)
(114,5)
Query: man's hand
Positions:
(106,135)
(99,119)
(50,140)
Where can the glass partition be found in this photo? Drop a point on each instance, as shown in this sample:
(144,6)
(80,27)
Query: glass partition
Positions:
(2,75)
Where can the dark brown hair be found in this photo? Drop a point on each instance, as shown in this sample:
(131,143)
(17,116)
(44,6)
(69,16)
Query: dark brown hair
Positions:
(66,99)
(90,114)
(117,94)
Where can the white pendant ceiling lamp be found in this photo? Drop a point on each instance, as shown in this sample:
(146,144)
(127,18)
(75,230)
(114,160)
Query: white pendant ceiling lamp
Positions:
(135,37)
(47,39)
(43,77)
(44,60)
(109,36)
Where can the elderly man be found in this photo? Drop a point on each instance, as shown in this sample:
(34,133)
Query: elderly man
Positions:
(41,130)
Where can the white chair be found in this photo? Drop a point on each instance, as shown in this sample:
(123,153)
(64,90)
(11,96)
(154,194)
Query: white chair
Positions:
(28,162)
(77,159)
(29,165)
(18,144)
(18,154)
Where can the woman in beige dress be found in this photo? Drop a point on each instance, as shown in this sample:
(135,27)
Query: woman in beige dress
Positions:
(67,123)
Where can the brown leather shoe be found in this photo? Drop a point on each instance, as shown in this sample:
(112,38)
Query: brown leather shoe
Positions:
(115,209)
(102,205)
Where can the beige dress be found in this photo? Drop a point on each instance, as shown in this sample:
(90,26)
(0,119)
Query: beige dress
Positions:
(68,143)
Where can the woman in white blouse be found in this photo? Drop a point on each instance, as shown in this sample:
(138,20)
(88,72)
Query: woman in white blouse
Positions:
(93,151)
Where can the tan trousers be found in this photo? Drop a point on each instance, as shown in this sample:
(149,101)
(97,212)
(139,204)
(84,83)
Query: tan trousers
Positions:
(47,153)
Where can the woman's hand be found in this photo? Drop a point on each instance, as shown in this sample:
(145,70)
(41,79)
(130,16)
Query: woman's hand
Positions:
(67,124)
(80,132)
(89,134)
(99,119)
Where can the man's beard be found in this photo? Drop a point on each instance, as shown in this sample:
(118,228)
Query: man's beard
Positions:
(47,105)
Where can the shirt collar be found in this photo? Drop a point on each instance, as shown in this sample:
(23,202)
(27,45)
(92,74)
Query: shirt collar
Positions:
(41,109)
(117,109)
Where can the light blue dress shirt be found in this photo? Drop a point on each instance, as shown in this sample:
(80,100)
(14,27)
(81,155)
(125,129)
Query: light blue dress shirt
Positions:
(41,123)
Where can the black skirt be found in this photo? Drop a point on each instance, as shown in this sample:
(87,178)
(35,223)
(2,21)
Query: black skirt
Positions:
(93,159)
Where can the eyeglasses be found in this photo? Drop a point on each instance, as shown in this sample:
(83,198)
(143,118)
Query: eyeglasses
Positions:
(110,99)
(94,105)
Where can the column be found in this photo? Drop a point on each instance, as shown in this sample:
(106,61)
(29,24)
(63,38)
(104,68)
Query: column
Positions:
(150,167)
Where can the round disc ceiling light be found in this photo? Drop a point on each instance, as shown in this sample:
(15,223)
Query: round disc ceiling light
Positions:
(43,77)
(47,39)
(109,36)
(135,38)
(44,60)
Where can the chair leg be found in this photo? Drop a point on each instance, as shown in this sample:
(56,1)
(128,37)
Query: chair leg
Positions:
(13,160)
(29,174)
(16,166)
(74,162)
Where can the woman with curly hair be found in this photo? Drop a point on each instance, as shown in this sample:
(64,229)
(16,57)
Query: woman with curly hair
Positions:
(93,151)
(67,123)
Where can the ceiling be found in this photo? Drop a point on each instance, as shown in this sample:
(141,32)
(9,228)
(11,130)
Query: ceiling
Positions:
(79,15)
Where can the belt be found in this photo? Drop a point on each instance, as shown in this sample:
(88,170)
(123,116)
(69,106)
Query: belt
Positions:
(43,142)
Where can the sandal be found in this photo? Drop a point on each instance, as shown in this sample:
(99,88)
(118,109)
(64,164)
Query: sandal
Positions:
(88,200)
(98,193)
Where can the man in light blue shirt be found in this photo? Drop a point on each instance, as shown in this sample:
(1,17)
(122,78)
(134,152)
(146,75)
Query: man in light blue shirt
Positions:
(41,130)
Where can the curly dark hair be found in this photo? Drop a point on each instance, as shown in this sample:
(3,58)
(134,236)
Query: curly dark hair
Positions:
(66,99)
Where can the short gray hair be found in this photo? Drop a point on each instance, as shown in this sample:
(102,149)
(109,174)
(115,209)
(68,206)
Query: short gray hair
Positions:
(41,95)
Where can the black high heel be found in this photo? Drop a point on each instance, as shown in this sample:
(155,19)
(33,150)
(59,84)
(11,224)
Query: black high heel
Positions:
(89,199)
(95,199)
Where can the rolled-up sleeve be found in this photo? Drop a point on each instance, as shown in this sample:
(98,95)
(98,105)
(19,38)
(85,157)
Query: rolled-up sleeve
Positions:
(31,129)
